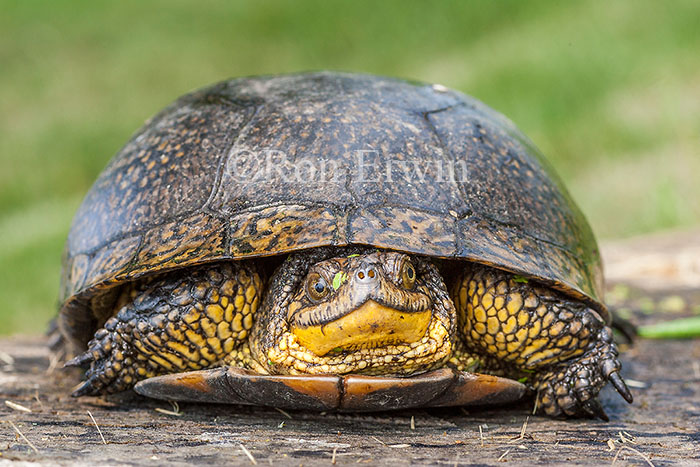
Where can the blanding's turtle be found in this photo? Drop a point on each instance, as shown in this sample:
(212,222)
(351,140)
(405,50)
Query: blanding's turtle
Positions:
(335,241)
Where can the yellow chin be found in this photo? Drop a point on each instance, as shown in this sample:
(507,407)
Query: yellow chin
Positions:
(371,325)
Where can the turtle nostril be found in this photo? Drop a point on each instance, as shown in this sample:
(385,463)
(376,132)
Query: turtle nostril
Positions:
(367,274)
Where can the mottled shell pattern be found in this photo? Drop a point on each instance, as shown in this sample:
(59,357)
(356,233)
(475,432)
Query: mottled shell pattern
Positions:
(268,165)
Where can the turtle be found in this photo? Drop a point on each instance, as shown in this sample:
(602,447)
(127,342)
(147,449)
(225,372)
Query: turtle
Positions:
(335,241)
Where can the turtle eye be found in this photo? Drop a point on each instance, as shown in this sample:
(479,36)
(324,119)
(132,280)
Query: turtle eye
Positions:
(316,287)
(408,275)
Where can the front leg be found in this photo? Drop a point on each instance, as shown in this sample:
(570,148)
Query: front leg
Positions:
(522,329)
(184,320)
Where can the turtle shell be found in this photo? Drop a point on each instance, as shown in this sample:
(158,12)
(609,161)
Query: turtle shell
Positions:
(268,165)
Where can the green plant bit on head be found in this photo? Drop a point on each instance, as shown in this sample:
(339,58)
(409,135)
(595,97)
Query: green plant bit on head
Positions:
(520,279)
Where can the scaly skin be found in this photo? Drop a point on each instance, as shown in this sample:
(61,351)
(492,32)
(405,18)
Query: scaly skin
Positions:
(186,320)
(520,329)
(494,323)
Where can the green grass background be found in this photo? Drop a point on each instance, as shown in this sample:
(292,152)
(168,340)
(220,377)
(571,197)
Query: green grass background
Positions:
(610,91)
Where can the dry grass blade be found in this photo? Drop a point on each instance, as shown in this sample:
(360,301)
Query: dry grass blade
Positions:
(643,456)
(23,437)
(176,410)
(16,406)
(503,455)
(537,401)
(522,431)
(7,358)
(168,412)
(481,436)
(379,440)
(53,363)
(626,437)
(333,456)
(283,413)
(247,453)
(96,426)
(413,423)
(633,383)
(38,399)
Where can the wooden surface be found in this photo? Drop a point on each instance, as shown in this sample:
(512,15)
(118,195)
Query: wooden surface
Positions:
(661,427)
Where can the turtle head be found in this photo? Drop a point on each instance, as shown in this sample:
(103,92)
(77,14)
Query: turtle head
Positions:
(362,301)
(375,312)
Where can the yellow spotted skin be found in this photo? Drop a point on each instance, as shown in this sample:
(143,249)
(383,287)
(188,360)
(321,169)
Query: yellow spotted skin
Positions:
(522,325)
(183,321)
(520,329)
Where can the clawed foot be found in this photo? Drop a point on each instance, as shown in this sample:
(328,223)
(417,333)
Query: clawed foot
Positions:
(109,367)
(572,387)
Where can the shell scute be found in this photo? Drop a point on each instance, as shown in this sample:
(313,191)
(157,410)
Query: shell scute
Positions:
(185,241)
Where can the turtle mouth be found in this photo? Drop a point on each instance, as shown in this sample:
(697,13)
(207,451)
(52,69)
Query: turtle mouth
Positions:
(371,325)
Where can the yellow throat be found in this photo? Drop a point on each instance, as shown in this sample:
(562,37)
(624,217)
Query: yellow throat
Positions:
(370,325)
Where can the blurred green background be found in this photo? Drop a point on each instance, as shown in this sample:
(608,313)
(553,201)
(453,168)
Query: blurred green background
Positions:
(610,91)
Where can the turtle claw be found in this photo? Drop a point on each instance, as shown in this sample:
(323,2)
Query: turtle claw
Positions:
(571,387)
(619,384)
(92,385)
(81,361)
(85,388)
(97,349)
(109,368)
(595,410)
(86,360)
